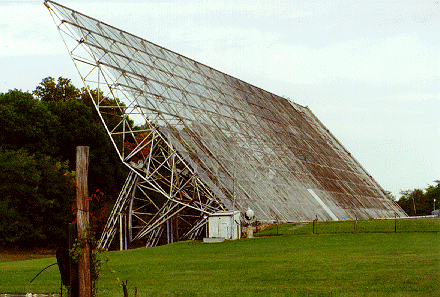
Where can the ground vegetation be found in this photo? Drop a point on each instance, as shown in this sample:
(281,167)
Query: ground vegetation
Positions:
(355,264)
(39,134)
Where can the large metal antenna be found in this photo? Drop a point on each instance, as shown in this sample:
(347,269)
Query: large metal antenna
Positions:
(200,129)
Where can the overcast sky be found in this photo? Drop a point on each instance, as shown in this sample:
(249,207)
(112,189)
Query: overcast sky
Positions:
(370,70)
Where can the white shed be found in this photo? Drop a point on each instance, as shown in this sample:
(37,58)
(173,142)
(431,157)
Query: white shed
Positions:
(225,224)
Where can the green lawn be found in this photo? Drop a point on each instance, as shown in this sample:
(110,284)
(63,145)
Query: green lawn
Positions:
(361,264)
(373,226)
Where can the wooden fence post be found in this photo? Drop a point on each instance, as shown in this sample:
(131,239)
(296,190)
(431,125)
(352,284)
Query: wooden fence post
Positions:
(82,216)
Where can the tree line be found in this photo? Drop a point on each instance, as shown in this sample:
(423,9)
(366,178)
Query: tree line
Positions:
(420,202)
(38,139)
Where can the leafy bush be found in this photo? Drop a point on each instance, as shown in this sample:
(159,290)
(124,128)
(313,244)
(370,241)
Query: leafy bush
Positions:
(35,193)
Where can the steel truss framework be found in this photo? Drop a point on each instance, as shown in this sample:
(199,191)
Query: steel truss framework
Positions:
(209,141)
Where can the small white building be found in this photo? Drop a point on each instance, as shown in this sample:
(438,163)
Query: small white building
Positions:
(225,224)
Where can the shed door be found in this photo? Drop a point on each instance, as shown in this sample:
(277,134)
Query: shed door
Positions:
(224,229)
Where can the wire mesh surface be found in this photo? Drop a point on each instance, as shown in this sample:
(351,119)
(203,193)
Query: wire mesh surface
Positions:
(251,148)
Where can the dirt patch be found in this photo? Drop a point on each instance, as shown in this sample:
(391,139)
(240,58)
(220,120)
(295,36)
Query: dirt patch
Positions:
(299,226)
(9,255)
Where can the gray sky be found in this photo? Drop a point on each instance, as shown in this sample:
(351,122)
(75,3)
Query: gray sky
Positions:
(370,70)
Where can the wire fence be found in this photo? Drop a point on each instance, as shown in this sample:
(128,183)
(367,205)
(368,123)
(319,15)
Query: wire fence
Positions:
(398,225)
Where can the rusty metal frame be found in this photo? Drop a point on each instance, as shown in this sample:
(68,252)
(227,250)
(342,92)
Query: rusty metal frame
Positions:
(233,145)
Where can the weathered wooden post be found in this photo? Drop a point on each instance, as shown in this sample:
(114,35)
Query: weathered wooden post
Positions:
(82,216)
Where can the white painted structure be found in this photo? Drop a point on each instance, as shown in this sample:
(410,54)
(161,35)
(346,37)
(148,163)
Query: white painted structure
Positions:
(225,224)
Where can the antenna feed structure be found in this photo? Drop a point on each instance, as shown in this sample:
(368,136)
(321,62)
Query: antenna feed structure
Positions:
(249,217)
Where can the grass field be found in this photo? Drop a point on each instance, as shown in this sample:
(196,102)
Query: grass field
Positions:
(360,264)
(373,226)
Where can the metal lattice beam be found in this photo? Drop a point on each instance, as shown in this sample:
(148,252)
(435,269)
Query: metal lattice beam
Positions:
(237,145)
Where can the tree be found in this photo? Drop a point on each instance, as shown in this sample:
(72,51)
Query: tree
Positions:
(63,90)
(26,124)
(418,202)
(37,147)
(113,111)
(409,200)
(35,193)
(80,124)
(433,195)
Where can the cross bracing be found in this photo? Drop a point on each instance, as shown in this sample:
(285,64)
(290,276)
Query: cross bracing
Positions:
(210,141)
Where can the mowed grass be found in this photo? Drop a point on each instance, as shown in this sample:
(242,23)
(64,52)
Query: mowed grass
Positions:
(352,226)
(361,264)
